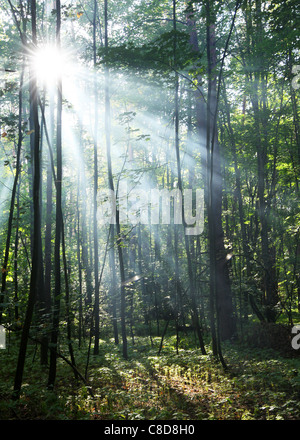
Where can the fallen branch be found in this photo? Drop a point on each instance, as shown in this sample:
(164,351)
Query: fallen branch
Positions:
(61,356)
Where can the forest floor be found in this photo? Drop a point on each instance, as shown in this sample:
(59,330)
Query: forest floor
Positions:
(259,384)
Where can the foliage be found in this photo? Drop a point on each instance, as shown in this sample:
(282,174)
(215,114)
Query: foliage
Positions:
(259,384)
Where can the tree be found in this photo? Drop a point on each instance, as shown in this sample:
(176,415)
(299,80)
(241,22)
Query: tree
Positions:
(112,188)
(58,218)
(96,257)
(220,291)
(36,248)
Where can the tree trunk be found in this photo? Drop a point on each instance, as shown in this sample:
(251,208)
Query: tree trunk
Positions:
(79,260)
(194,311)
(220,294)
(113,288)
(16,250)
(58,220)
(36,248)
(95,223)
(111,187)
(13,196)
(48,230)
(258,82)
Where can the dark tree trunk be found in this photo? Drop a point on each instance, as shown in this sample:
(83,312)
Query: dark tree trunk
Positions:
(36,248)
(221,295)
(16,250)
(113,288)
(194,310)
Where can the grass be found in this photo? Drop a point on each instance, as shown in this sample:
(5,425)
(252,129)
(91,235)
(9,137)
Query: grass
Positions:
(258,385)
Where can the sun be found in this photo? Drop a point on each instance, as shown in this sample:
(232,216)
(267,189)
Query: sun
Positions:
(49,64)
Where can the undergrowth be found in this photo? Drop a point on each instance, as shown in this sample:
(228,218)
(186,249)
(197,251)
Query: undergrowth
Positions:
(183,385)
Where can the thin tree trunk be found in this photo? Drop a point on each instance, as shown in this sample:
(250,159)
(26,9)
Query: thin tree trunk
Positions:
(247,257)
(36,255)
(16,250)
(84,235)
(220,289)
(58,220)
(80,314)
(111,187)
(113,288)
(258,81)
(41,300)
(13,195)
(95,223)
(68,304)
(195,317)
(48,230)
